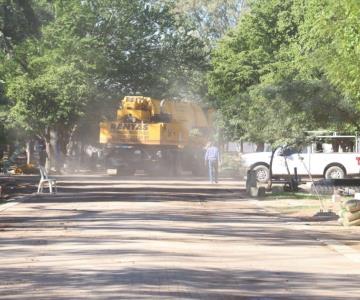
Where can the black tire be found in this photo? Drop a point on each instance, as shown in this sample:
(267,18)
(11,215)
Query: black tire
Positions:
(334,172)
(322,188)
(262,173)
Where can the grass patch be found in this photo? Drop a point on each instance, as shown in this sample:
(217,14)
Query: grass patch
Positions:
(297,208)
(293,195)
(294,206)
(297,204)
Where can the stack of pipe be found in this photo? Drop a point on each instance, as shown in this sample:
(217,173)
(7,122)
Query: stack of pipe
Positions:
(350,213)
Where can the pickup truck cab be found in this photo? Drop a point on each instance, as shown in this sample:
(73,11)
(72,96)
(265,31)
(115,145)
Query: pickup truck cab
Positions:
(333,159)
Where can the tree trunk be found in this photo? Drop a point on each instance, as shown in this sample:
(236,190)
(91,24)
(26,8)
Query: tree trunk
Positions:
(260,147)
(1,151)
(57,139)
(55,147)
(49,155)
(30,157)
(66,136)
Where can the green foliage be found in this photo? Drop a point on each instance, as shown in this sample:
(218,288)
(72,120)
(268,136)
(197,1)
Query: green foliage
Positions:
(70,59)
(57,95)
(153,54)
(230,163)
(288,66)
(213,18)
(246,59)
(47,78)
(17,21)
(275,76)
(248,53)
(331,35)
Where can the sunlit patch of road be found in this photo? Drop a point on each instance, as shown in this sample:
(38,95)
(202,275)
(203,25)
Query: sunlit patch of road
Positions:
(162,240)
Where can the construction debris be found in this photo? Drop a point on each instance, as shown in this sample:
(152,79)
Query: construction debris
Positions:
(350,213)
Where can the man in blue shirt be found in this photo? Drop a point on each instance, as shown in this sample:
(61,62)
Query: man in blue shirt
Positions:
(212,161)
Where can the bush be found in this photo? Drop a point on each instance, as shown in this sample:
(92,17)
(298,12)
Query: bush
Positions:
(230,164)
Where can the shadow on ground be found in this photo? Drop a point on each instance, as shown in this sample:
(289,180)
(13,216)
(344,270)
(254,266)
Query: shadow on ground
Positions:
(56,240)
(174,283)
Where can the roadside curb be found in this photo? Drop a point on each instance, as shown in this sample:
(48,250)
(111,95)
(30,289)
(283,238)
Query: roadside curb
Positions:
(346,251)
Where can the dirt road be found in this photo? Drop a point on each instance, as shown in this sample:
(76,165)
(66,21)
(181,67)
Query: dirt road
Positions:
(108,239)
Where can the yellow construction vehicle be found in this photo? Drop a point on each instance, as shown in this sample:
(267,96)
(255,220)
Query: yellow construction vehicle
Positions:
(157,136)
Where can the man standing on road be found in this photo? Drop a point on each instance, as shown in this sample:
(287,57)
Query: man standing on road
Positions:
(212,161)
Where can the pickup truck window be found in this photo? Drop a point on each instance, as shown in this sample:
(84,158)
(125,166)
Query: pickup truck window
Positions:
(334,145)
(317,147)
(290,151)
(304,149)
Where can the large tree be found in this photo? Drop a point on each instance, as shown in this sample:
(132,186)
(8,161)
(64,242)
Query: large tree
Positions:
(213,17)
(18,21)
(265,86)
(46,78)
(144,47)
(90,52)
(331,41)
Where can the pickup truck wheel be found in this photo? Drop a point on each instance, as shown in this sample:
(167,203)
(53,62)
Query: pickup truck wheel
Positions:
(262,173)
(334,172)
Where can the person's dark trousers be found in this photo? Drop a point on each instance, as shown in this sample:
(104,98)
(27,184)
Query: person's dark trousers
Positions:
(213,171)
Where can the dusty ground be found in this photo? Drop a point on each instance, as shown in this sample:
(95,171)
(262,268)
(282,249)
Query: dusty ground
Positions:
(308,209)
(12,186)
(131,239)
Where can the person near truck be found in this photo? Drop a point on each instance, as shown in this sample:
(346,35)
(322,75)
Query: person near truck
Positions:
(212,158)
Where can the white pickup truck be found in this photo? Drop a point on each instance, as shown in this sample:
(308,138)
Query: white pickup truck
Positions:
(319,160)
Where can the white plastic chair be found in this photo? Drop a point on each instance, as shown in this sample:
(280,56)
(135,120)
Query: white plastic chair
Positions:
(46,179)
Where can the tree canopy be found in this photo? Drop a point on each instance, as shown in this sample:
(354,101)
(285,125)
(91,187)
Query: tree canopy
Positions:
(288,67)
(61,58)
(272,68)
(213,18)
